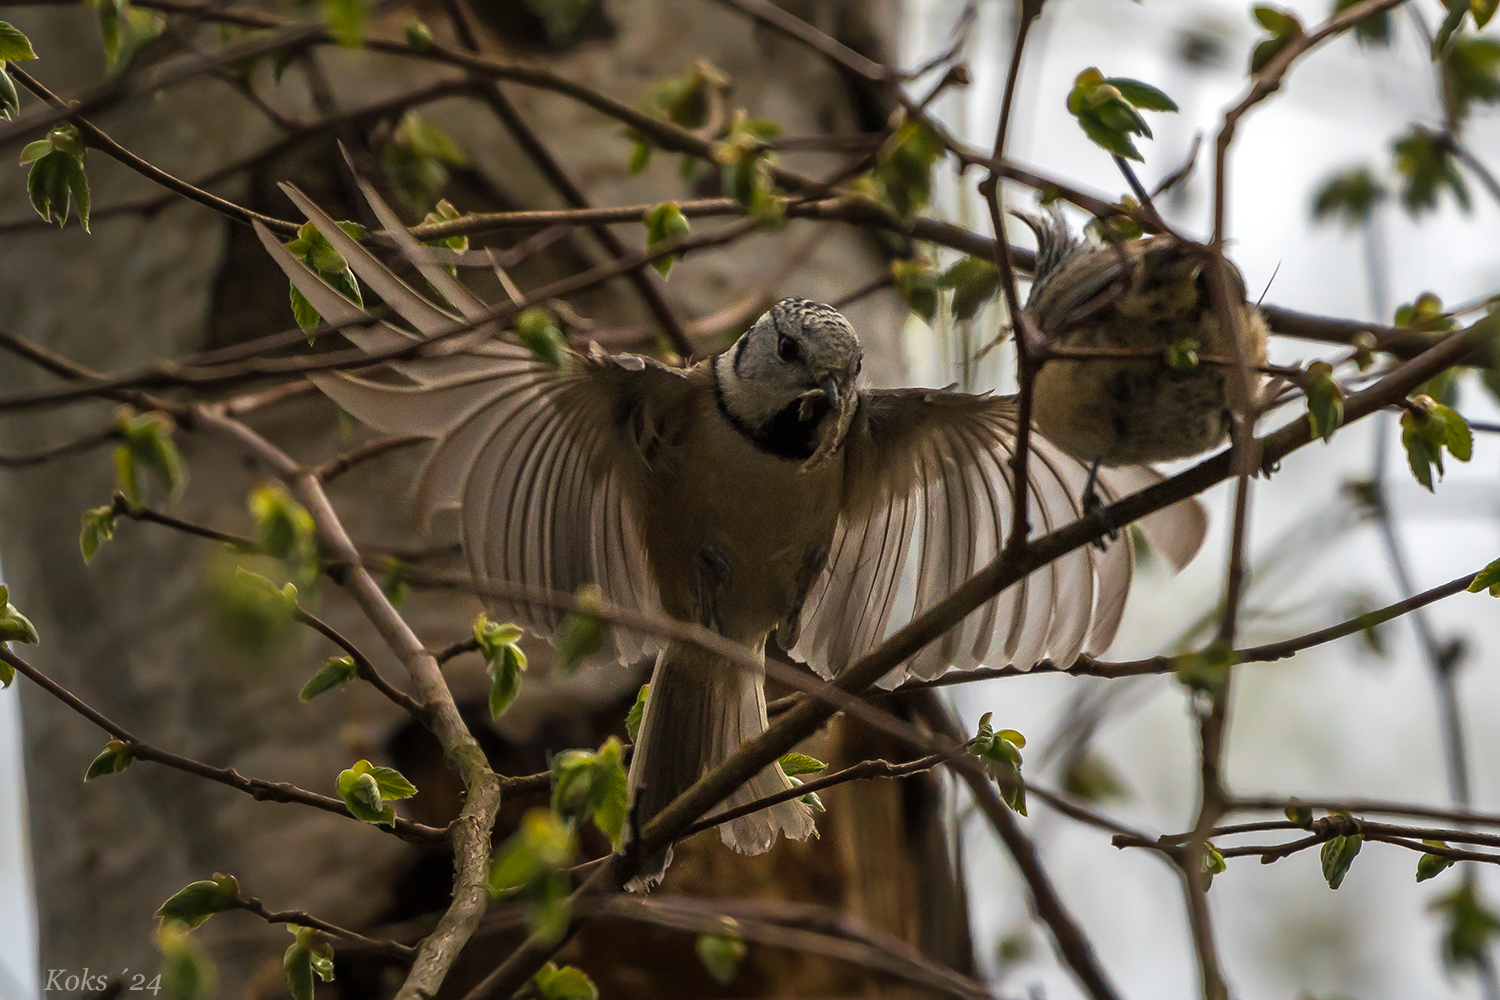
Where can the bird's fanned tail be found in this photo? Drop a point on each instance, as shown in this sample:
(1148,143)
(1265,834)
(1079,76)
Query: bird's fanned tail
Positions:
(700,710)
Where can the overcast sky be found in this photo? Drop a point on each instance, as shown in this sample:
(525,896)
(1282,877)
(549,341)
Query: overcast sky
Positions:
(1330,721)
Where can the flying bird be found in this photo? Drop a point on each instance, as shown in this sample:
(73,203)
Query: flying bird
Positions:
(761,490)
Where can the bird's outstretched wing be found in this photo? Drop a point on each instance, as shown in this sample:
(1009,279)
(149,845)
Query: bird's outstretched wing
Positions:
(928,501)
(544,470)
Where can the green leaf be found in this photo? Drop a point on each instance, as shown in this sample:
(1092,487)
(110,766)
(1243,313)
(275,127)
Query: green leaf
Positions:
(581,633)
(416,158)
(1205,671)
(418,35)
(1427,428)
(1337,855)
(346,20)
(391,782)
(665,224)
(536,329)
(10,101)
(1372,30)
(284,530)
(974,281)
(794,764)
(688,100)
(197,901)
(1142,95)
(7,675)
(303,312)
(1325,401)
(444,211)
(745,168)
(529,864)
(1470,927)
(1458,438)
(1093,778)
(186,972)
(1487,578)
(368,788)
(112,760)
(1456,11)
(34,151)
(1106,110)
(98,528)
(903,167)
(542,842)
(1283,26)
(147,440)
(313,249)
(1471,72)
(918,283)
(14,626)
(1001,753)
(640,157)
(722,954)
(1298,813)
(14,46)
(57,186)
(563,20)
(592,785)
(1424,313)
(125,29)
(297,964)
(1213,864)
(1483,11)
(1425,161)
(504,660)
(335,672)
(566,983)
(1349,196)
(1432,865)
(638,710)
(360,793)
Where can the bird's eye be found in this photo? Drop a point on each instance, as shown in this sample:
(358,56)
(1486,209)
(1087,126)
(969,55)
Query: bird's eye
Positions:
(786,348)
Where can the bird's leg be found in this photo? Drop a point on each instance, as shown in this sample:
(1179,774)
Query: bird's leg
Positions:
(1094,507)
(814,558)
(713,574)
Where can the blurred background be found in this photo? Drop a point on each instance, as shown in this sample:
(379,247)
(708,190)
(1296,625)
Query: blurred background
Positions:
(1339,720)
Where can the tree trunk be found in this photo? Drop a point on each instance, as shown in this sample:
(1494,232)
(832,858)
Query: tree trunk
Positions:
(139,635)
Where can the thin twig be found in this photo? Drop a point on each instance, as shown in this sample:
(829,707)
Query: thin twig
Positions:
(261,790)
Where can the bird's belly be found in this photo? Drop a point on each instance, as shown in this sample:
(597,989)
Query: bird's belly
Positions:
(1129,413)
(1139,411)
(758,513)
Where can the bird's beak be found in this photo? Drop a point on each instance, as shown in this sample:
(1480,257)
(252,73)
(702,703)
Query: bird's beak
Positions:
(830,390)
(843,402)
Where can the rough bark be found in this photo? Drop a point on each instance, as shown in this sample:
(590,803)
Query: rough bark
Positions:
(136,633)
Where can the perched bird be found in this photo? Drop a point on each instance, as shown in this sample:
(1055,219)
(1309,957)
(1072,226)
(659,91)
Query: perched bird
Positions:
(759,490)
(1147,294)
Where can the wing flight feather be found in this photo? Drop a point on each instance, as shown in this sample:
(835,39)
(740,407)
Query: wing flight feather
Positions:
(545,476)
(929,500)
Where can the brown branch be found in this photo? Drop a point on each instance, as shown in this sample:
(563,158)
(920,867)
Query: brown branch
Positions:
(362,664)
(856,772)
(394,949)
(261,790)
(335,467)
(647,284)
(98,139)
(472,829)
(21,460)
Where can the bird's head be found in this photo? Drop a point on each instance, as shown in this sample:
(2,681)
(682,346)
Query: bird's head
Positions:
(789,381)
